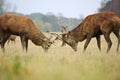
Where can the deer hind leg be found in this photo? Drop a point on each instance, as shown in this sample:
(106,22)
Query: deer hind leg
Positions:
(118,37)
(98,42)
(8,41)
(108,40)
(89,36)
(4,41)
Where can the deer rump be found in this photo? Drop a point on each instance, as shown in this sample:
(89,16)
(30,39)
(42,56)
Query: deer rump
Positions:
(23,27)
(93,26)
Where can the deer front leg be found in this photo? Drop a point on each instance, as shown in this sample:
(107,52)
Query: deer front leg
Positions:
(109,42)
(89,36)
(98,42)
(63,44)
(24,42)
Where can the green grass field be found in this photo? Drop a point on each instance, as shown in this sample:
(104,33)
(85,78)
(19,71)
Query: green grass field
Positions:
(60,63)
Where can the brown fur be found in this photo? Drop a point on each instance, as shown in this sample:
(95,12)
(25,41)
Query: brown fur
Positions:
(23,27)
(94,26)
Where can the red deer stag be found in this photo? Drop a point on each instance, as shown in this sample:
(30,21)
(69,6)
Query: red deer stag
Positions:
(23,27)
(93,26)
(12,38)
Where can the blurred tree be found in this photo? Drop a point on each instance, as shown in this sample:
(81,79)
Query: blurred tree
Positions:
(49,22)
(44,26)
(49,14)
(1,6)
(6,7)
(47,27)
(110,5)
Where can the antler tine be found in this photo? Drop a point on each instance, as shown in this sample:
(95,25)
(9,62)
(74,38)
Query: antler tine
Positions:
(59,22)
(54,43)
(57,35)
(54,33)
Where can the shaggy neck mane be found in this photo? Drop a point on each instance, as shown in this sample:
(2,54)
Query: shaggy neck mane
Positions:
(77,32)
(36,36)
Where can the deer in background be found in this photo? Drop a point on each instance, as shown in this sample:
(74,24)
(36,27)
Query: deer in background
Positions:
(12,38)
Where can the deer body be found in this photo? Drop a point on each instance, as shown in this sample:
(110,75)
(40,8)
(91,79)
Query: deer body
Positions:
(23,27)
(93,26)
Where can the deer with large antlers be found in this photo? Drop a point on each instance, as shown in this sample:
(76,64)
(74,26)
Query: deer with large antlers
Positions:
(23,27)
(93,26)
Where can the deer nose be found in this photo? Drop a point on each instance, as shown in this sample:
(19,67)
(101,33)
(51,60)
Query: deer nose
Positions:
(75,49)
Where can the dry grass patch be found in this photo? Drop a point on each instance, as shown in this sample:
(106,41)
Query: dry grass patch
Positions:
(60,63)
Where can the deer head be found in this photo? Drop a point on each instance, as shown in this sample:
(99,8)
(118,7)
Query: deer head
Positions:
(46,43)
(69,39)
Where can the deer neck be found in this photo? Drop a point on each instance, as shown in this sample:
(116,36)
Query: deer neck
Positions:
(78,33)
(37,37)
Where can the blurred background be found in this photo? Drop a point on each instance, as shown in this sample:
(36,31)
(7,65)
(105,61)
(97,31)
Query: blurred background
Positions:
(59,63)
(47,13)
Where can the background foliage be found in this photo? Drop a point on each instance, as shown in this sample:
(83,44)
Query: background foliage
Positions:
(110,5)
(49,21)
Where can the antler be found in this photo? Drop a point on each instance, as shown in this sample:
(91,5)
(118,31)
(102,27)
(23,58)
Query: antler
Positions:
(63,26)
(58,36)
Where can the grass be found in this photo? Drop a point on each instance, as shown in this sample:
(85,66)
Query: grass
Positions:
(60,63)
